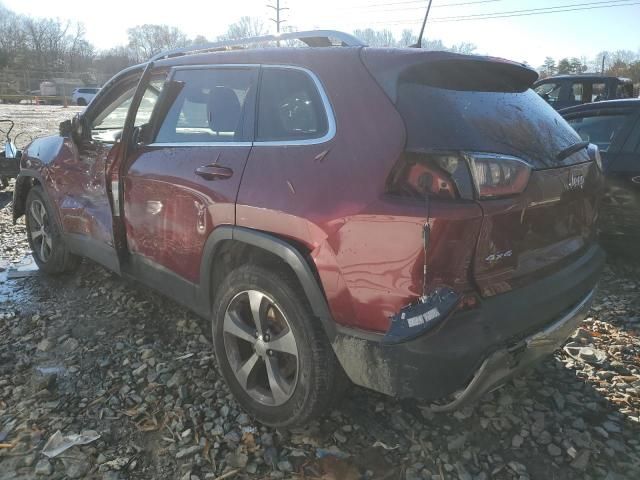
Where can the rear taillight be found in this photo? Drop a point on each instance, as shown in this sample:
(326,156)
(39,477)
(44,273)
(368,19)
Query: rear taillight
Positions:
(441,175)
(498,175)
(462,175)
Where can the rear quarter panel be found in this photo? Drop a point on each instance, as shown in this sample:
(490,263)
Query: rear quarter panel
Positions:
(367,249)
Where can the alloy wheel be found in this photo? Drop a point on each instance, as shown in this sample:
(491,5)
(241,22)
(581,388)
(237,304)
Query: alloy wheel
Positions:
(40,231)
(261,348)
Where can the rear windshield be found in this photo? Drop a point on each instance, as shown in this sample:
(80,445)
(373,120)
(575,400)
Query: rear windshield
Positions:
(514,123)
(600,129)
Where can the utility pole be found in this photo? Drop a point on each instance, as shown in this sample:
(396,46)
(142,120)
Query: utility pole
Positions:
(277,9)
(604,55)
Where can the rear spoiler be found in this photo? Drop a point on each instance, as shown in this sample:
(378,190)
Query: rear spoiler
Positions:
(446,70)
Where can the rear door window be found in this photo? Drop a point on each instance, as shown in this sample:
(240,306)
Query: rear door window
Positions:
(211,108)
(290,107)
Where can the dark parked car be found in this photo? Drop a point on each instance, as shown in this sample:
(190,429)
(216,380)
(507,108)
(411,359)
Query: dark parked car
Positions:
(615,127)
(421,223)
(562,91)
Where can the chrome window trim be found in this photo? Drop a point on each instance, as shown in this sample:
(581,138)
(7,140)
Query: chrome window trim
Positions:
(331,121)
(200,144)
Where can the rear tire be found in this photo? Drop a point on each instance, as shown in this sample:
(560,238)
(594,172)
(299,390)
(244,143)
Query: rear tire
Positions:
(81,102)
(257,362)
(45,236)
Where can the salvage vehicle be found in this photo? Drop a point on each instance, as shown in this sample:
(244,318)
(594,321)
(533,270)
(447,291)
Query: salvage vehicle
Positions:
(563,91)
(419,223)
(614,126)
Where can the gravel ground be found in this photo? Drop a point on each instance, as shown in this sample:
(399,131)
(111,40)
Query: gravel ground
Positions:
(91,351)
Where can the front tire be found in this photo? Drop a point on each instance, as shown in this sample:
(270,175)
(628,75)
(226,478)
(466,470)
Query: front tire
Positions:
(81,102)
(45,236)
(272,352)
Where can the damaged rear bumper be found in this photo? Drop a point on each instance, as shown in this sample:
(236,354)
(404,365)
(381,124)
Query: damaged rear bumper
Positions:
(477,350)
(503,364)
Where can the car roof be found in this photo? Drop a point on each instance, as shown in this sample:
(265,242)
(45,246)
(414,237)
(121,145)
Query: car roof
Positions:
(607,104)
(297,55)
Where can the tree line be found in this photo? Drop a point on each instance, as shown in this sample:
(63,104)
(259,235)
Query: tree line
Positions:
(621,63)
(47,47)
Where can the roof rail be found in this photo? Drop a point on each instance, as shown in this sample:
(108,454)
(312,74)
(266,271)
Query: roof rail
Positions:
(313,38)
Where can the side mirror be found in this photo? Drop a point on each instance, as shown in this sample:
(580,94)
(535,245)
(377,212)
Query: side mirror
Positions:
(65,128)
(74,128)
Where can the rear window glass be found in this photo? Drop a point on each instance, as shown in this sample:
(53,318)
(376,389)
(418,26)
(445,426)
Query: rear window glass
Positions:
(600,130)
(290,107)
(519,124)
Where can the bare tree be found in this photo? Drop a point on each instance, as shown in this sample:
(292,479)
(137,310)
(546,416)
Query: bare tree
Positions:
(407,38)
(147,40)
(199,40)
(244,28)
(466,48)
(376,38)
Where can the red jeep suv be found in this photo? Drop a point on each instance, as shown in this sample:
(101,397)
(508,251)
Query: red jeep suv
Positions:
(420,223)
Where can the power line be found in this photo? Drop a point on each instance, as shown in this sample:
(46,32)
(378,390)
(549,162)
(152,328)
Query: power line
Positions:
(511,14)
(539,13)
(416,7)
(528,10)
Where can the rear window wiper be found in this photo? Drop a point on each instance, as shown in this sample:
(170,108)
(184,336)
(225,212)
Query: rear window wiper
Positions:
(576,147)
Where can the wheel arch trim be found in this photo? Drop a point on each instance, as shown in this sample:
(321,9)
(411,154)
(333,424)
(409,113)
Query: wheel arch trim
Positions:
(21,191)
(276,246)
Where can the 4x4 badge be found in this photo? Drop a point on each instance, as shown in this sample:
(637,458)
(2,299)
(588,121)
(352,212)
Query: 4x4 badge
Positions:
(494,257)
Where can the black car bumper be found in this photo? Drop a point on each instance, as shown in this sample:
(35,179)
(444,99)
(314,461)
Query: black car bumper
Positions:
(477,350)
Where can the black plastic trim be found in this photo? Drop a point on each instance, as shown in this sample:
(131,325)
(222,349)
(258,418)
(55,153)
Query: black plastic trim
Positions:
(93,249)
(163,280)
(276,246)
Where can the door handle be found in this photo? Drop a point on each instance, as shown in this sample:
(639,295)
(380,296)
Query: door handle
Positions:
(214,172)
(635,179)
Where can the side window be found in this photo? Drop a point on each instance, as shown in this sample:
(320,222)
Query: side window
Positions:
(109,122)
(632,144)
(149,100)
(576,92)
(210,107)
(549,91)
(599,92)
(290,107)
(599,129)
(623,90)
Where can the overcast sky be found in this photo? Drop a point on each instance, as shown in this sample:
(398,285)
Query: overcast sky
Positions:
(523,38)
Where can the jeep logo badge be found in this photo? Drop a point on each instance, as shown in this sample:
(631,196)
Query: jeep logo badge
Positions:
(576,182)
